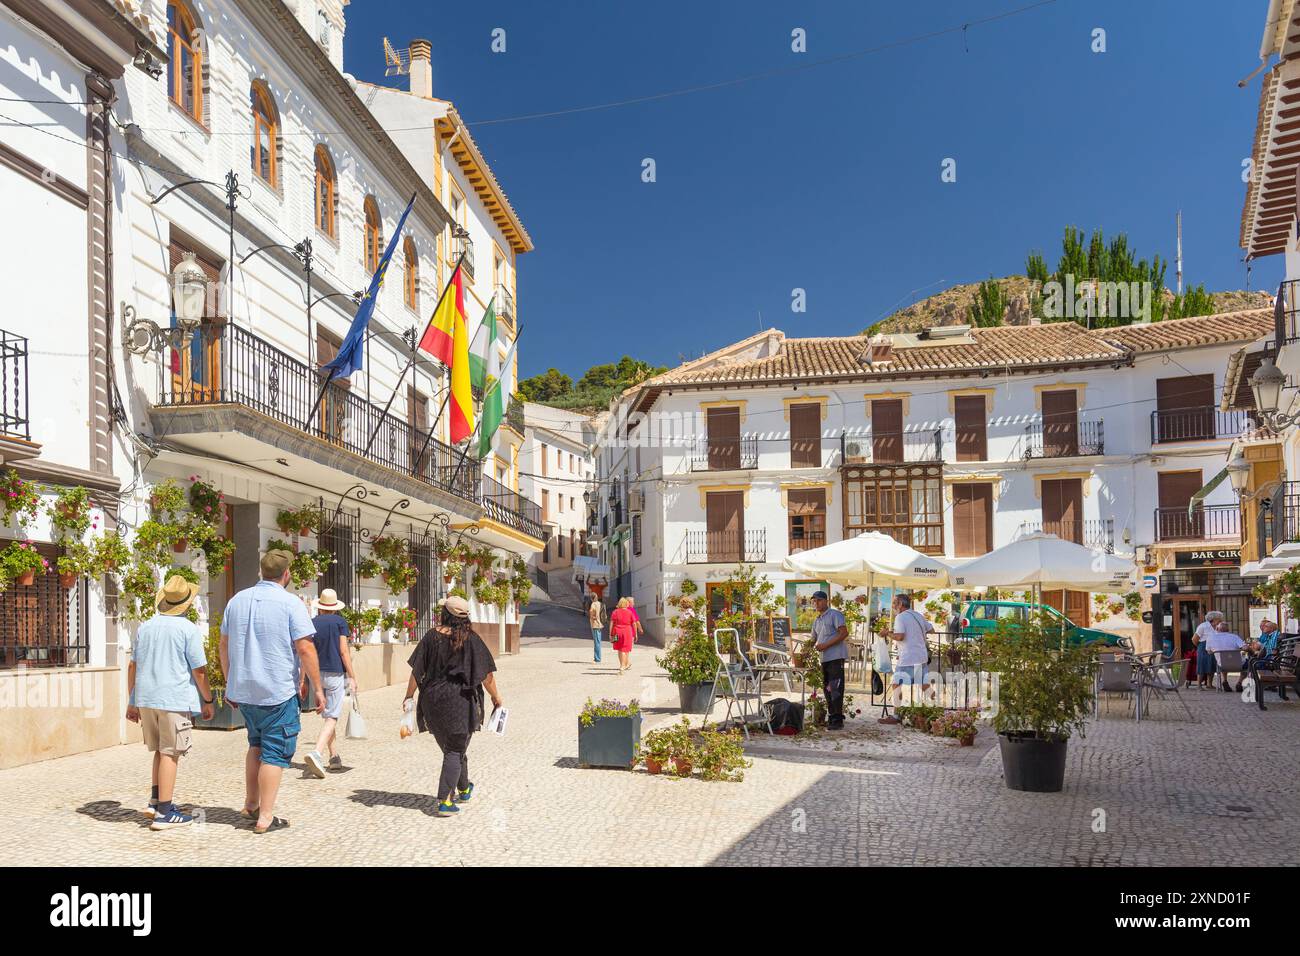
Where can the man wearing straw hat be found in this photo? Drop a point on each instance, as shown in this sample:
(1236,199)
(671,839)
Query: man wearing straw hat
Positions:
(266,636)
(331,640)
(167,683)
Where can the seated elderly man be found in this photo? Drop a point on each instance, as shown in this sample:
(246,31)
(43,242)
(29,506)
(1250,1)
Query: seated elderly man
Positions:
(1262,649)
(1224,641)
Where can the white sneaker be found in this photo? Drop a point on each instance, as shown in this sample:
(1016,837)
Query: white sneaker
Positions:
(316,764)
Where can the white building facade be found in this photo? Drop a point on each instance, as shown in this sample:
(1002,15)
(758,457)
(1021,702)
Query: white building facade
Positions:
(557,471)
(955,442)
(239,160)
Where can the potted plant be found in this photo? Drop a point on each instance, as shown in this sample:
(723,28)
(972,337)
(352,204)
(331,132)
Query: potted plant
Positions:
(1045,695)
(367,568)
(111,553)
(369,620)
(206,503)
(609,734)
(166,500)
(691,662)
(669,745)
(70,514)
(959,724)
(19,563)
(20,499)
(308,521)
(224,716)
(721,755)
(286,519)
(76,561)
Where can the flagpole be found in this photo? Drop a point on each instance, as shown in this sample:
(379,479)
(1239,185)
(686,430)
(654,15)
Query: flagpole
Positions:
(384,414)
(320,395)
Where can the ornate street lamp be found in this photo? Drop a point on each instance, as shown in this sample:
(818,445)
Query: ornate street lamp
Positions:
(1267,384)
(189,303)
(1239,474)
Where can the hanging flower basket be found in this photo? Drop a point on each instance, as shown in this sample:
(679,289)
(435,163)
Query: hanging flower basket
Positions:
(26,579)
(68,579)
(181,546)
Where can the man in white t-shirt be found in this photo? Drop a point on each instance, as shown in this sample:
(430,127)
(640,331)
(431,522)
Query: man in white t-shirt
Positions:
(1224,641)
(910,630)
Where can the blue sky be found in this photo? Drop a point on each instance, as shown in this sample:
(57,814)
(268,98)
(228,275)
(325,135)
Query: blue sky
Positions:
(828,180)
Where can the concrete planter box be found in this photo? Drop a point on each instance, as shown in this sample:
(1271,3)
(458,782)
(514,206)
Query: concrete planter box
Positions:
(610,742)
(224,717)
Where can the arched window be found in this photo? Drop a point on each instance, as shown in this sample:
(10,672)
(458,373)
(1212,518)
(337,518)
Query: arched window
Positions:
(370,244)
(264,133)
(184,61)
(325,182)
(412,286)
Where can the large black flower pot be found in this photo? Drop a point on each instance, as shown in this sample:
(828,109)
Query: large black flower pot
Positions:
(1033,764)
(610,742)
(695,697)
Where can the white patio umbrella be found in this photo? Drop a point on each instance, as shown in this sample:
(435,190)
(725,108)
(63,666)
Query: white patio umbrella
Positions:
(870,558)
(1047,563)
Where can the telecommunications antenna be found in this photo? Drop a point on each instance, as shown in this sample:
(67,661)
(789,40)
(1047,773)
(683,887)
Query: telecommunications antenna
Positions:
(396,62)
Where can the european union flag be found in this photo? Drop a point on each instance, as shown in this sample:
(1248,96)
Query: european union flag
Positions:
(352,351)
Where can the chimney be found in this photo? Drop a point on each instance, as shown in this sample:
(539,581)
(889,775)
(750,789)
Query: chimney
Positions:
(882,349)
(422,68)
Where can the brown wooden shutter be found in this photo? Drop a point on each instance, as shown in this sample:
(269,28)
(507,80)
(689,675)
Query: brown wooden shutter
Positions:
(805,435)
(724,515)
(419,422)
(1185,408)
(724,438)
(1174,490)
(1063,508)
(972,519)
(972,427)
(887,430)
(1060,423)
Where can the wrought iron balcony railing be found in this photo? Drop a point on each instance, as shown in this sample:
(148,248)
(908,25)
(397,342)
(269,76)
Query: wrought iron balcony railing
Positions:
(14,387)
(1064,439)
(505,306)
(726,547)
(511,508)
(1089,532)
(725,454)
(1203,423)
(1209,522)
(227,365)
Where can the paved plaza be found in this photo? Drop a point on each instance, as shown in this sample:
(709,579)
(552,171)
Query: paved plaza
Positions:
(1172,792)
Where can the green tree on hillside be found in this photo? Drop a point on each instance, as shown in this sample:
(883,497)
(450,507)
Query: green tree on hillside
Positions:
(1101,262)
(595,389)
(989,305)
(1195,301)
(546,387)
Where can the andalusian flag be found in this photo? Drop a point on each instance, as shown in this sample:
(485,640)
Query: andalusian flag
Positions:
(494,399)
(447,339)
(484,348)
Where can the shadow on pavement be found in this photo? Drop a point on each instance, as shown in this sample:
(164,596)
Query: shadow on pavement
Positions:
(426,803)
(112,811)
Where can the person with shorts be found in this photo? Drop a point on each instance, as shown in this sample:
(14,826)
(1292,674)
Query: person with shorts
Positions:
(336,674)
(267,639)
(910,630)
(167,683)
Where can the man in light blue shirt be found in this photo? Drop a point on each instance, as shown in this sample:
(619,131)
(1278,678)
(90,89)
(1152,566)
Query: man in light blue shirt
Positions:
(167,683)
(266,635)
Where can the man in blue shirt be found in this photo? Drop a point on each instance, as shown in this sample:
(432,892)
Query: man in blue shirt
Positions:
(167,683)
(830,634)
(1261,650)
(266,635)
(331,640)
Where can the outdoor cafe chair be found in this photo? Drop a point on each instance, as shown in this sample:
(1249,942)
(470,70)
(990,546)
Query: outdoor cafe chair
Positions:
(1225,663)
(1161,677)
(1118,677)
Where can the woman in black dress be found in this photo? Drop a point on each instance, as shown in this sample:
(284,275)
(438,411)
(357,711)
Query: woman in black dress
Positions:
(451,667)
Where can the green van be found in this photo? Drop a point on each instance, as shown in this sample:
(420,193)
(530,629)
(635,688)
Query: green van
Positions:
(980,617)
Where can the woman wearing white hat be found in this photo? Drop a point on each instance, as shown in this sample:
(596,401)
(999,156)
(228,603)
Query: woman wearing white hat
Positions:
(337,678)
(451,667)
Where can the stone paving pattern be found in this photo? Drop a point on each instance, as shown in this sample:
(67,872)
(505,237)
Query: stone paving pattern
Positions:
(1174,792)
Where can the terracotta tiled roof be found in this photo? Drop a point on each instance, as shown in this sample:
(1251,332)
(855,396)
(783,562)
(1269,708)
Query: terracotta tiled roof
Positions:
(1218,329)
(1006,347)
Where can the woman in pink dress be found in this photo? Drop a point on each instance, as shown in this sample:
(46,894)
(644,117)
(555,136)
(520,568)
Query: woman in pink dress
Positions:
(624,626)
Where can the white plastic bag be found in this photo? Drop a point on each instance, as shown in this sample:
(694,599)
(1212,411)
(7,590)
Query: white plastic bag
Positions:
(356,723)
(409,726)
(880,656)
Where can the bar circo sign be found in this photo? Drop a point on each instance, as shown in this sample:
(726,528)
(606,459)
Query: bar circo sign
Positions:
(1214,557)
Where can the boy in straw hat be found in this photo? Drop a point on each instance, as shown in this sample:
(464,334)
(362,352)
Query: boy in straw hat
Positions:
(167,681)
(335,659)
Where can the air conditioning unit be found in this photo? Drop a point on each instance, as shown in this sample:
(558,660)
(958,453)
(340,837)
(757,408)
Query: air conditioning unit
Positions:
(853,452)
(636,501)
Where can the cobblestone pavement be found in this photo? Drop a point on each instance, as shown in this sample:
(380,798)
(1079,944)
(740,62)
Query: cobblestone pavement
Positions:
(1206,792)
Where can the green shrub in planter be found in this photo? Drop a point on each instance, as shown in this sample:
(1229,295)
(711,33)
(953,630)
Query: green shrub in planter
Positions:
(1045,688)
(721,755)
(609,734)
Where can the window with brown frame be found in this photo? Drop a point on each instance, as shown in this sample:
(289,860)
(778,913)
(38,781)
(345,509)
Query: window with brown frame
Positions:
(805,435)
(412,277)
(184,61)
(262,151)
(971,425)
(902,501)
(806,513)
(370,237)
(972,519)
(325,186)
(636,534)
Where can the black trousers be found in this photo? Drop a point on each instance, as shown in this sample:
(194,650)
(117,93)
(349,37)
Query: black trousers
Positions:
(833,684)
(455,774)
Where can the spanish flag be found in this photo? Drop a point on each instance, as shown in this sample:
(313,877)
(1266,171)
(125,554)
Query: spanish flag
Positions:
(446,338)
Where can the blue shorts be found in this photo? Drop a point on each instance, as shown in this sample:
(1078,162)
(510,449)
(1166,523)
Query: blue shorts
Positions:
(274,729)
(910,674)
